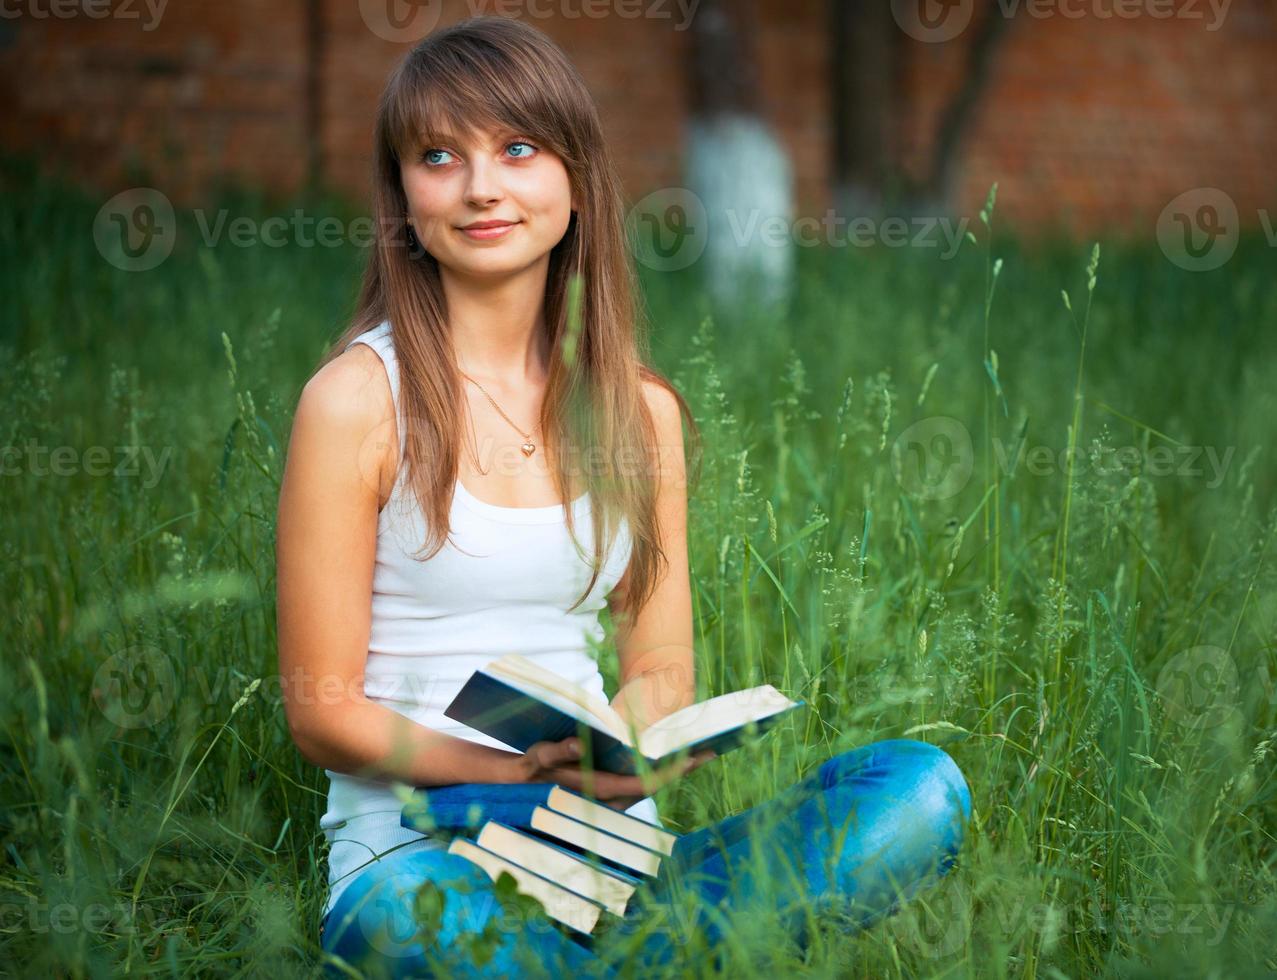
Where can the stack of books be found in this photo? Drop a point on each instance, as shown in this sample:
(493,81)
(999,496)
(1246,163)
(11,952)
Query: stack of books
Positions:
(577,857)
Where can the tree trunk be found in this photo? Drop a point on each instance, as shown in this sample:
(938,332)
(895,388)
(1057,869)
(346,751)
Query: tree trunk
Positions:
(736,166)
(861,69)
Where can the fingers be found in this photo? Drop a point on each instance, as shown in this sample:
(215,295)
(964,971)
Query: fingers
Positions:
(623,802)
(550,755)
(560,762)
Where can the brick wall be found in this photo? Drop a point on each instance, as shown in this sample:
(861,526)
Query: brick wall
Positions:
(214,88)
(1095,123)
(1087,123)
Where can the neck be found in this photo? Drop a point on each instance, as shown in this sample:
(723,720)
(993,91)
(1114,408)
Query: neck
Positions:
(498,327)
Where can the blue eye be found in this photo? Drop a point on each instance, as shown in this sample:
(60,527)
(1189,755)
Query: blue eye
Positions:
(523,143)
(425,157)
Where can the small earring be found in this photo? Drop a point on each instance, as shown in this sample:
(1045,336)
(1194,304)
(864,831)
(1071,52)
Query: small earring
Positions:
(415,249)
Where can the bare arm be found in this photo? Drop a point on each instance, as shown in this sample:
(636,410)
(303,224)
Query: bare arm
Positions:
(654,644)
(341,451)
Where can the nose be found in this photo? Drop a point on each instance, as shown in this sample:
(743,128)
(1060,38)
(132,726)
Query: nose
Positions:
(483,184)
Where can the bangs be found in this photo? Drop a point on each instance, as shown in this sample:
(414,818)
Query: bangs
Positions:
(450,92)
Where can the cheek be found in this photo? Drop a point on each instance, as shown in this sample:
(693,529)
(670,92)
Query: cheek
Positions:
(547,190)
(426,198)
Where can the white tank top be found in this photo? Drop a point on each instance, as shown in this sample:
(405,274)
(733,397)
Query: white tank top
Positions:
(502,583)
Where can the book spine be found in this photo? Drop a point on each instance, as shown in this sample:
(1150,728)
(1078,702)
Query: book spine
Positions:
(595,862)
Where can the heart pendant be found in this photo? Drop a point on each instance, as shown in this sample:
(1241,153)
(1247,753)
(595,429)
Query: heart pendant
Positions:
(528,448)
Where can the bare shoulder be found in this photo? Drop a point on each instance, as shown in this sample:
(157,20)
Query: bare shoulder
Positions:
(346,412)
(666,416)
(352,386)
(667,422)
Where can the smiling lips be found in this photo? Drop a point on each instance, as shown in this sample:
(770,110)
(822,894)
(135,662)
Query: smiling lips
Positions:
(486,230)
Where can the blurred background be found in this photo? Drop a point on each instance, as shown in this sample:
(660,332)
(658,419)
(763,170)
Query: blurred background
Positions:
(1093,114)
(972,302)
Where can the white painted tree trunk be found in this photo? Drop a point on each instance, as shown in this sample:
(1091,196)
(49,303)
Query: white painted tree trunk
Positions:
(742,175)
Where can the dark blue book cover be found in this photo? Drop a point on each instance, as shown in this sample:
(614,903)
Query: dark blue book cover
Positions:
(468,806)
(464,807)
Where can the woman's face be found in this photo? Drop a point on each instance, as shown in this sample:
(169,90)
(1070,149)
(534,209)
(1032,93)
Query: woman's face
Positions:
(484,177)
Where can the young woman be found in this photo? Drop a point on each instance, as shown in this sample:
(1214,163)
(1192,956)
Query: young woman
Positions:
(441,461)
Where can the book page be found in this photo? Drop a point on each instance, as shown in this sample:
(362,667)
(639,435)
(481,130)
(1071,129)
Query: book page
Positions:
(705,718)
(538,682)
(563,867)
(568,907)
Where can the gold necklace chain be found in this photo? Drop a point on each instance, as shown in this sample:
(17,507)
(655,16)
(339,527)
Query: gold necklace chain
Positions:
(528,447)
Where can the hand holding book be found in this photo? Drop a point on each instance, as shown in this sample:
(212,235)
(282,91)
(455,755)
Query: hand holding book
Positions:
(559,762)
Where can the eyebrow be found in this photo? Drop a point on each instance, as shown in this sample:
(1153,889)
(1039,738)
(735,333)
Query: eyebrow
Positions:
(502,134)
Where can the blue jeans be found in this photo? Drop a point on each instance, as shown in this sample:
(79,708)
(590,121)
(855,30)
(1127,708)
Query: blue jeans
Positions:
(857,837)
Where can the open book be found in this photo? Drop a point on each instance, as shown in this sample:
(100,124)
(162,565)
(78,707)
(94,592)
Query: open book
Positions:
(519,703)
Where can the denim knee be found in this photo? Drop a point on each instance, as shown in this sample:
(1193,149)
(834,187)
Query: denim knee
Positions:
(375,924)
(936,789)
(376,915)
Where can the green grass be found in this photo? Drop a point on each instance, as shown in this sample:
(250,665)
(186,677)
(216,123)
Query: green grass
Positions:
(1093,646)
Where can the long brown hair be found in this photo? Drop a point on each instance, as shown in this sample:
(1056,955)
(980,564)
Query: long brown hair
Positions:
(505,73)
